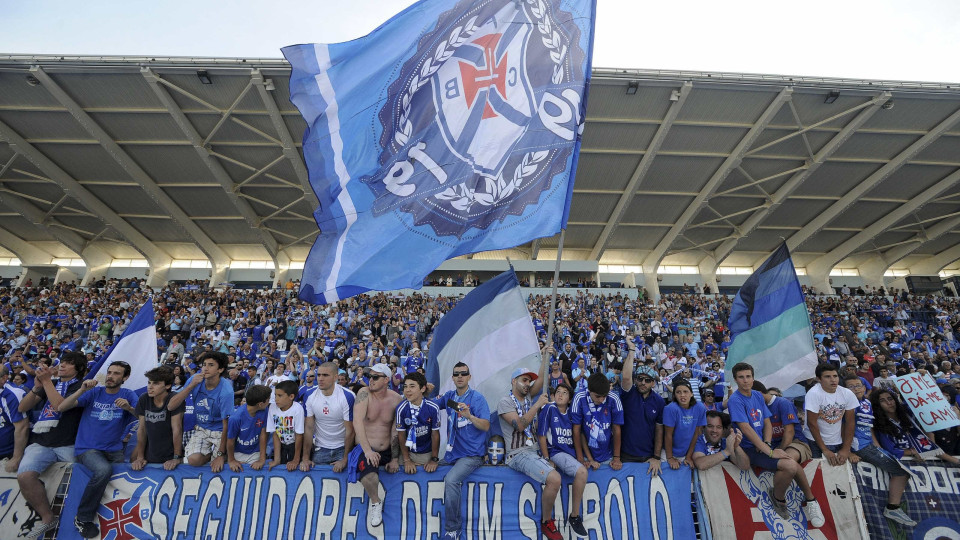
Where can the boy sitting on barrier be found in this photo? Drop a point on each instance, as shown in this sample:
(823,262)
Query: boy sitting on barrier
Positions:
(418,426)
(749,412)
(555,434)
(212,396)
(247,430)
(285,423)
(160,431)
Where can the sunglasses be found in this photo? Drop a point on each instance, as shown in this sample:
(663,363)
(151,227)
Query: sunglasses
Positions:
(646,380)
(461,373)
(377,377)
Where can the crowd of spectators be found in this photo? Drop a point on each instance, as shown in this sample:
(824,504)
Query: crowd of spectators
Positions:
(675,348)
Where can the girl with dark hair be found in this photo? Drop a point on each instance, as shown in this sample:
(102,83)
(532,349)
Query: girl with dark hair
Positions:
(683,422)
(892,427)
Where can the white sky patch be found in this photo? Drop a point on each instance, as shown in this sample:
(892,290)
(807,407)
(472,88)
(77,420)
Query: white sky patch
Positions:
(884,39)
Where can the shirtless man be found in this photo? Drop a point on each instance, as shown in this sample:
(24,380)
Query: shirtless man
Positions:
(377,436)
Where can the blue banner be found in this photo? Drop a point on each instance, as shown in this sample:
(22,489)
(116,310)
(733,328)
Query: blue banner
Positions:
(453,128)
(932,499)
(192,502)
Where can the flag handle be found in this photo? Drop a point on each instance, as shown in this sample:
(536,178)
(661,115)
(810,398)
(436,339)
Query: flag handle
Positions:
(553,297)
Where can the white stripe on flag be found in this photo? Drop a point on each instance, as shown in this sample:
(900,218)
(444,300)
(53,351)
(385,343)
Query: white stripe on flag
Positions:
(336,143)
(140,351)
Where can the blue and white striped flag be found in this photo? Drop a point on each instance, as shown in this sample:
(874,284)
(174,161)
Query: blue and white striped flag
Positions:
(137,347)
(489,330)
(453,128)
(770,326)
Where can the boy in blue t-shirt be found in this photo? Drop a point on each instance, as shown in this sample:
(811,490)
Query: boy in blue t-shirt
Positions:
(598,416)
(212,397)
(748,410)
(247,430)
(418,426)
(555,434)
(107,411)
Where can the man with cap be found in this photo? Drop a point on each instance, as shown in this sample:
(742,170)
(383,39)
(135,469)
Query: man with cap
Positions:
(518,415)
(643,434)
(710,401)
(376,437)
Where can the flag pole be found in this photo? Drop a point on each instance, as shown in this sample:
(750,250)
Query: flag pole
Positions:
(553,298)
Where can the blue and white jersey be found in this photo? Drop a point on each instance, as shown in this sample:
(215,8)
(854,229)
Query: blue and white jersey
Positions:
(246,429)
(557,428)
(417,424)
(597,422)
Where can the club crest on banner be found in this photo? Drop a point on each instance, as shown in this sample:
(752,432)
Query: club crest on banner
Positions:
(126,508)
(480,118)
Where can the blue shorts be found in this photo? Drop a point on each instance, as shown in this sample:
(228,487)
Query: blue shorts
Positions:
(531,464)
(566,463)
(37,458)
(761,460)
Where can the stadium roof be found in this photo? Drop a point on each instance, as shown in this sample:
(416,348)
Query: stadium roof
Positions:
(179,158)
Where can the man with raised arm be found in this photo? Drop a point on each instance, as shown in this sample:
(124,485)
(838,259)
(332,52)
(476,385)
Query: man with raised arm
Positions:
(643,433)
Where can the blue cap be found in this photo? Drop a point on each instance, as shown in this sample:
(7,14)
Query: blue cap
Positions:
(524,371)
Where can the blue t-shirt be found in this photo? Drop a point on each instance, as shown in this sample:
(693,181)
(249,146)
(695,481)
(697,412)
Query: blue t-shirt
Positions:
(596,422)
(862,434)
(9,415)
(305,392)
(466,439)
(644,414)
(557,428)
(212,407)
(752,410)
(102,423)
(427,421)
(684,423)
(783,413)
(246,429)
(708,449)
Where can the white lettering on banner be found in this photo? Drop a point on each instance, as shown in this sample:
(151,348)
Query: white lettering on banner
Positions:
(327,522)
(351,519)
(302,502)
(490,522)
(659,491)
(633,504)
(562,111)
(614,492)
(411,494)
(434,508)
(211,526)
(278,488)
(591,508)
(529,526)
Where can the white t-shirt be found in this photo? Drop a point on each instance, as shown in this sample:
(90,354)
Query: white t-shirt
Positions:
(831,408)
(329,413)
(288,424)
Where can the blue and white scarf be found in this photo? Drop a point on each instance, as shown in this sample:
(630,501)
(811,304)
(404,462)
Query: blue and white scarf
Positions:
(49,416)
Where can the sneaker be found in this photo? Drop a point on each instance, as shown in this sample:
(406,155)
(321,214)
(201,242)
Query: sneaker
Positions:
(899,516)
(43,528)
(375,514)
(549,529)
(87,529)
(814,514)
(780,507)
(452,535)
(576,523)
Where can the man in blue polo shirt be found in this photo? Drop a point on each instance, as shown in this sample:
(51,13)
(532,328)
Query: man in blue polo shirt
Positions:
(107,410)
(643,434)
(212,396)
(749,412)
(467,424)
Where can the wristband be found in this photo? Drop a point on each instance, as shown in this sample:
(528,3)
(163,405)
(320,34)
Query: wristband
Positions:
(616,457)
(771,452)
(724,454)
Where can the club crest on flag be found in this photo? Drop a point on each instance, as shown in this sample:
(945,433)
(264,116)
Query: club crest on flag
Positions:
(127,518)
(479,120)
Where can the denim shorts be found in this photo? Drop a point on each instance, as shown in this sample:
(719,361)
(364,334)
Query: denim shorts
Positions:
(37,458)
(531,464)
(566,463)
(877,456)
(326,456)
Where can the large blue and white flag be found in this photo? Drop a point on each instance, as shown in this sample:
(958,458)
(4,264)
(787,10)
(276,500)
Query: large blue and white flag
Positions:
(489,330)
(137,347)
(451,129)
(770,326)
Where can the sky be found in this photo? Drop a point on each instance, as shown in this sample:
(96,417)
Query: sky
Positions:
(915,40)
